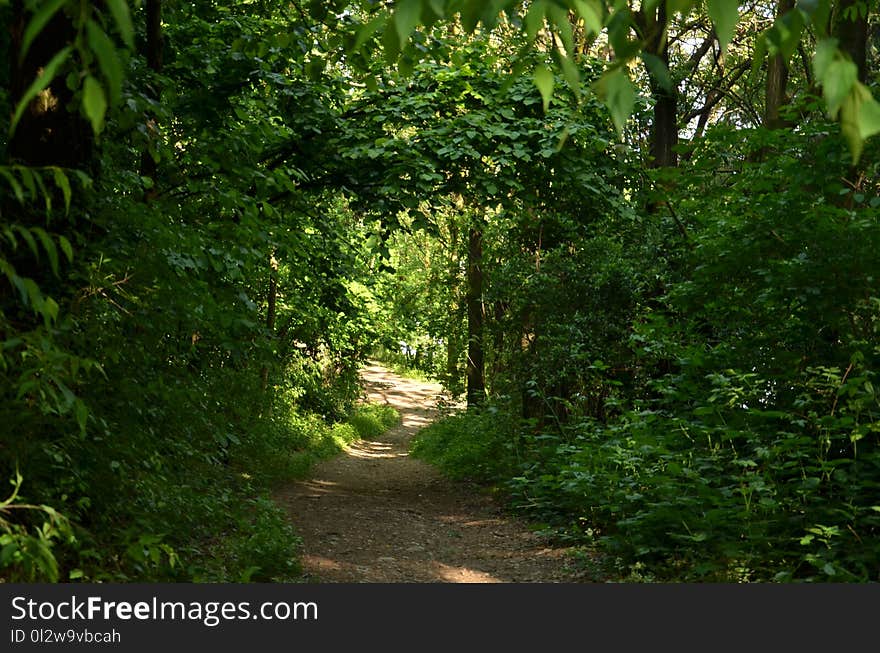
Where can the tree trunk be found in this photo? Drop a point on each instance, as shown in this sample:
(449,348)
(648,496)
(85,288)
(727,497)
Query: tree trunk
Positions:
(154,47)
(777,81)
(851,30)
(476,384)
(664,128)
(271,300)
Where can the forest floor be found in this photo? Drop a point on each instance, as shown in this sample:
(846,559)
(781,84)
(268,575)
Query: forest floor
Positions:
(374,514)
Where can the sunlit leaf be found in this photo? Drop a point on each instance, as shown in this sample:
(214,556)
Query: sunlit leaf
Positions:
(838,81)
(94,103)
(616,90)
(591,13)
(543,79)
(724,15)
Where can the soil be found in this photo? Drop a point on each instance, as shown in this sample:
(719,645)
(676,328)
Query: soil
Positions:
(374,514)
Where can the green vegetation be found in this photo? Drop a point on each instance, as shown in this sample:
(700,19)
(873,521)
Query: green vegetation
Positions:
(640,238)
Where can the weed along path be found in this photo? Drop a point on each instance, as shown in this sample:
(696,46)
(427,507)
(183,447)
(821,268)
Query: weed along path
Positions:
(373,514)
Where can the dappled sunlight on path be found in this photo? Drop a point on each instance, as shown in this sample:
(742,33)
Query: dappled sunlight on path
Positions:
(373,514)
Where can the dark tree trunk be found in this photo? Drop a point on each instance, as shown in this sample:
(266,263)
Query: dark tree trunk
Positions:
(664,128)
(852,34)
(775,91)
(154,48)
(476,384)
(154,35)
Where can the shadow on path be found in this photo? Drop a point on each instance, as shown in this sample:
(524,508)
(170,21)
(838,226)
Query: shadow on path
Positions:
(373,514)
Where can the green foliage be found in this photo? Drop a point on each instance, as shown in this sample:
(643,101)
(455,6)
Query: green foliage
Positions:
(730,431)
(477,445)
(680,363)
(372,420)
(26,553)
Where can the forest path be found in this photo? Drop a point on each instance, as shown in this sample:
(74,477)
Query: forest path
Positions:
(374,514)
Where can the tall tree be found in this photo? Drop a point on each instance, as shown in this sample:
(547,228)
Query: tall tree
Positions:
(653,25)
(777,79)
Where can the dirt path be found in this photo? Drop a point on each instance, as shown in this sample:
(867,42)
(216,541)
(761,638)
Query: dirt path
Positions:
(375,515)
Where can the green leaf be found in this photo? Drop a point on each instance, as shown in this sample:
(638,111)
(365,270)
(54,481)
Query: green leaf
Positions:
(64,184)
(559,17)
(438,7)
(784,36)
(407,14)
(591,13)
(122,18)
(571,73)
(41,82)
(390,44)
(658,70)
(535,19)
(724,15)
(616,90)
(13,182)
(837,83)
(367,30)
(49,247)
(470,14)
(758,56)
(82,415)
(543,79)
(859,118)
(819,12)
(825,54)
(28,237)
(66,248)
(37,23)
(103,48)
(94,103)
(869,118)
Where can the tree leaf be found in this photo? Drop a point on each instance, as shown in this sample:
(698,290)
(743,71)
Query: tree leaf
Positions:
(28,237)
(559,17)
(103,48)
(94,103)
(41,82)
(13,182)
(49,247)
(535,18)
(824,56)
(63,183)
(66,248)
(37,23)
(367,30)
(616,90)
(571,73)
(725,16)
(869,118)
(543,79)
(658,70)
(591,14)
(122,18)
(840,77)
(407,14)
